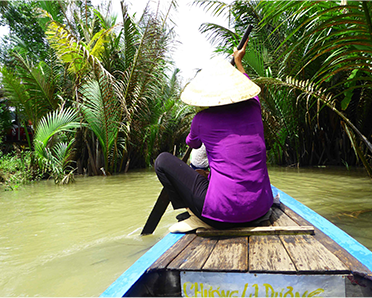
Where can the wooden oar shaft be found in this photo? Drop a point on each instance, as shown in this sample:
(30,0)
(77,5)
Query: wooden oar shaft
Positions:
(242,42)
(160,206)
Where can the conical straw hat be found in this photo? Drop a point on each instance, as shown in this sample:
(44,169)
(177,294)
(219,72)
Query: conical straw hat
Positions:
(219,83)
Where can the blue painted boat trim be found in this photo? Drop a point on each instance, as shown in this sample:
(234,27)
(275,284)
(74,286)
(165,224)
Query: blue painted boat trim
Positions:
(360,252)
(119,287)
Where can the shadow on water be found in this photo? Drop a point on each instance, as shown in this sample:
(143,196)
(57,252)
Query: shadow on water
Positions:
(76,240)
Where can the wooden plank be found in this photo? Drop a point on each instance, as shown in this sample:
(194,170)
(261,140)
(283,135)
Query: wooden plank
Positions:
(279,218)
(248,231)
(173,252)
(267,254)
(309,255)
(352,263)
(293,215)
(195,254)
(359,252)
(229,254)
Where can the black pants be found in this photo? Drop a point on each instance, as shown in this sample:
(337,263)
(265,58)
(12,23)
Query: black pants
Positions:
(186,187)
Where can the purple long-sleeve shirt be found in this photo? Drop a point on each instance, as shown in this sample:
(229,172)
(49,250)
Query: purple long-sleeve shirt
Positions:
(239,186)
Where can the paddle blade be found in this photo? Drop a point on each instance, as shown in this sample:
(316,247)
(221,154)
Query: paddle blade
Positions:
(156,214)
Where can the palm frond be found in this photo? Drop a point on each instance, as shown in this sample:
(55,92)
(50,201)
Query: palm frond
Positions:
(76,53)
(35,91)
(216,7)
(53,123)
(219,35)
(101,109)
(319,93)
(54,156)
(16,93)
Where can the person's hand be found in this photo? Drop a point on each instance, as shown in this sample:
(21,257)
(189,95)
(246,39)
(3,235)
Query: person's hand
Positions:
(203,172)
(238,56)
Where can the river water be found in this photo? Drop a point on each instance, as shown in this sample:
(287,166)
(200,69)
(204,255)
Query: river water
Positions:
(75,240)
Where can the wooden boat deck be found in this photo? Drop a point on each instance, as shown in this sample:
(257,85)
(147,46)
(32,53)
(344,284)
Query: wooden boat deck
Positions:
(296,254)
(291,254)
(285,253)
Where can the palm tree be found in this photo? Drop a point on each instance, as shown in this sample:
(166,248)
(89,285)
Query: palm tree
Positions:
(53,154)
(332,49)
(114,76)
(168,122)
(102,112)
(326,47)
(32,89)
(83,61)
(117,78)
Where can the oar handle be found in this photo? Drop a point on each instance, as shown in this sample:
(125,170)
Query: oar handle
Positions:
(242,42)
(187,154)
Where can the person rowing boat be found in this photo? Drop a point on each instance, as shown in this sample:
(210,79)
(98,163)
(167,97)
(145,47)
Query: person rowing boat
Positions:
(237,191)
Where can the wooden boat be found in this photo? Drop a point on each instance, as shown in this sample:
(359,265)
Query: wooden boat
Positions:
(297,254)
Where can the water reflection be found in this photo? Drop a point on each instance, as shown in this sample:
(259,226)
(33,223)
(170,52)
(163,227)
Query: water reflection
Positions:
(76,240)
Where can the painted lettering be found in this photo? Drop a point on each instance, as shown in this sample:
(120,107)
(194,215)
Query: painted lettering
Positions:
(222,293)
(245,290)
(316,292)
(267,288)
(303,295)
(185,288)
(200,290)
(289,293)
(212,292)
(256,288)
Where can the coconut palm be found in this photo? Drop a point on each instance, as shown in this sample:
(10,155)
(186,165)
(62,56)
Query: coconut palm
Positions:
(33,88)
(83,61)
(115,75)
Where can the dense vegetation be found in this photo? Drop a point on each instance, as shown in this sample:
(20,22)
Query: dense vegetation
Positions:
(313,60)
(102,98)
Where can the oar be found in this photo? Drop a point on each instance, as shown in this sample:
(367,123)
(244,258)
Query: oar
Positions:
(160,206)
(163,199)
(242,42)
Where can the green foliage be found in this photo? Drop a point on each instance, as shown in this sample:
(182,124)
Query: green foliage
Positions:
(169,121)
(33,89)
(4,120)
(102,112)
(16,169)
(324,46)
(75,53)
(54,155)
(26,35)
(116,77)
